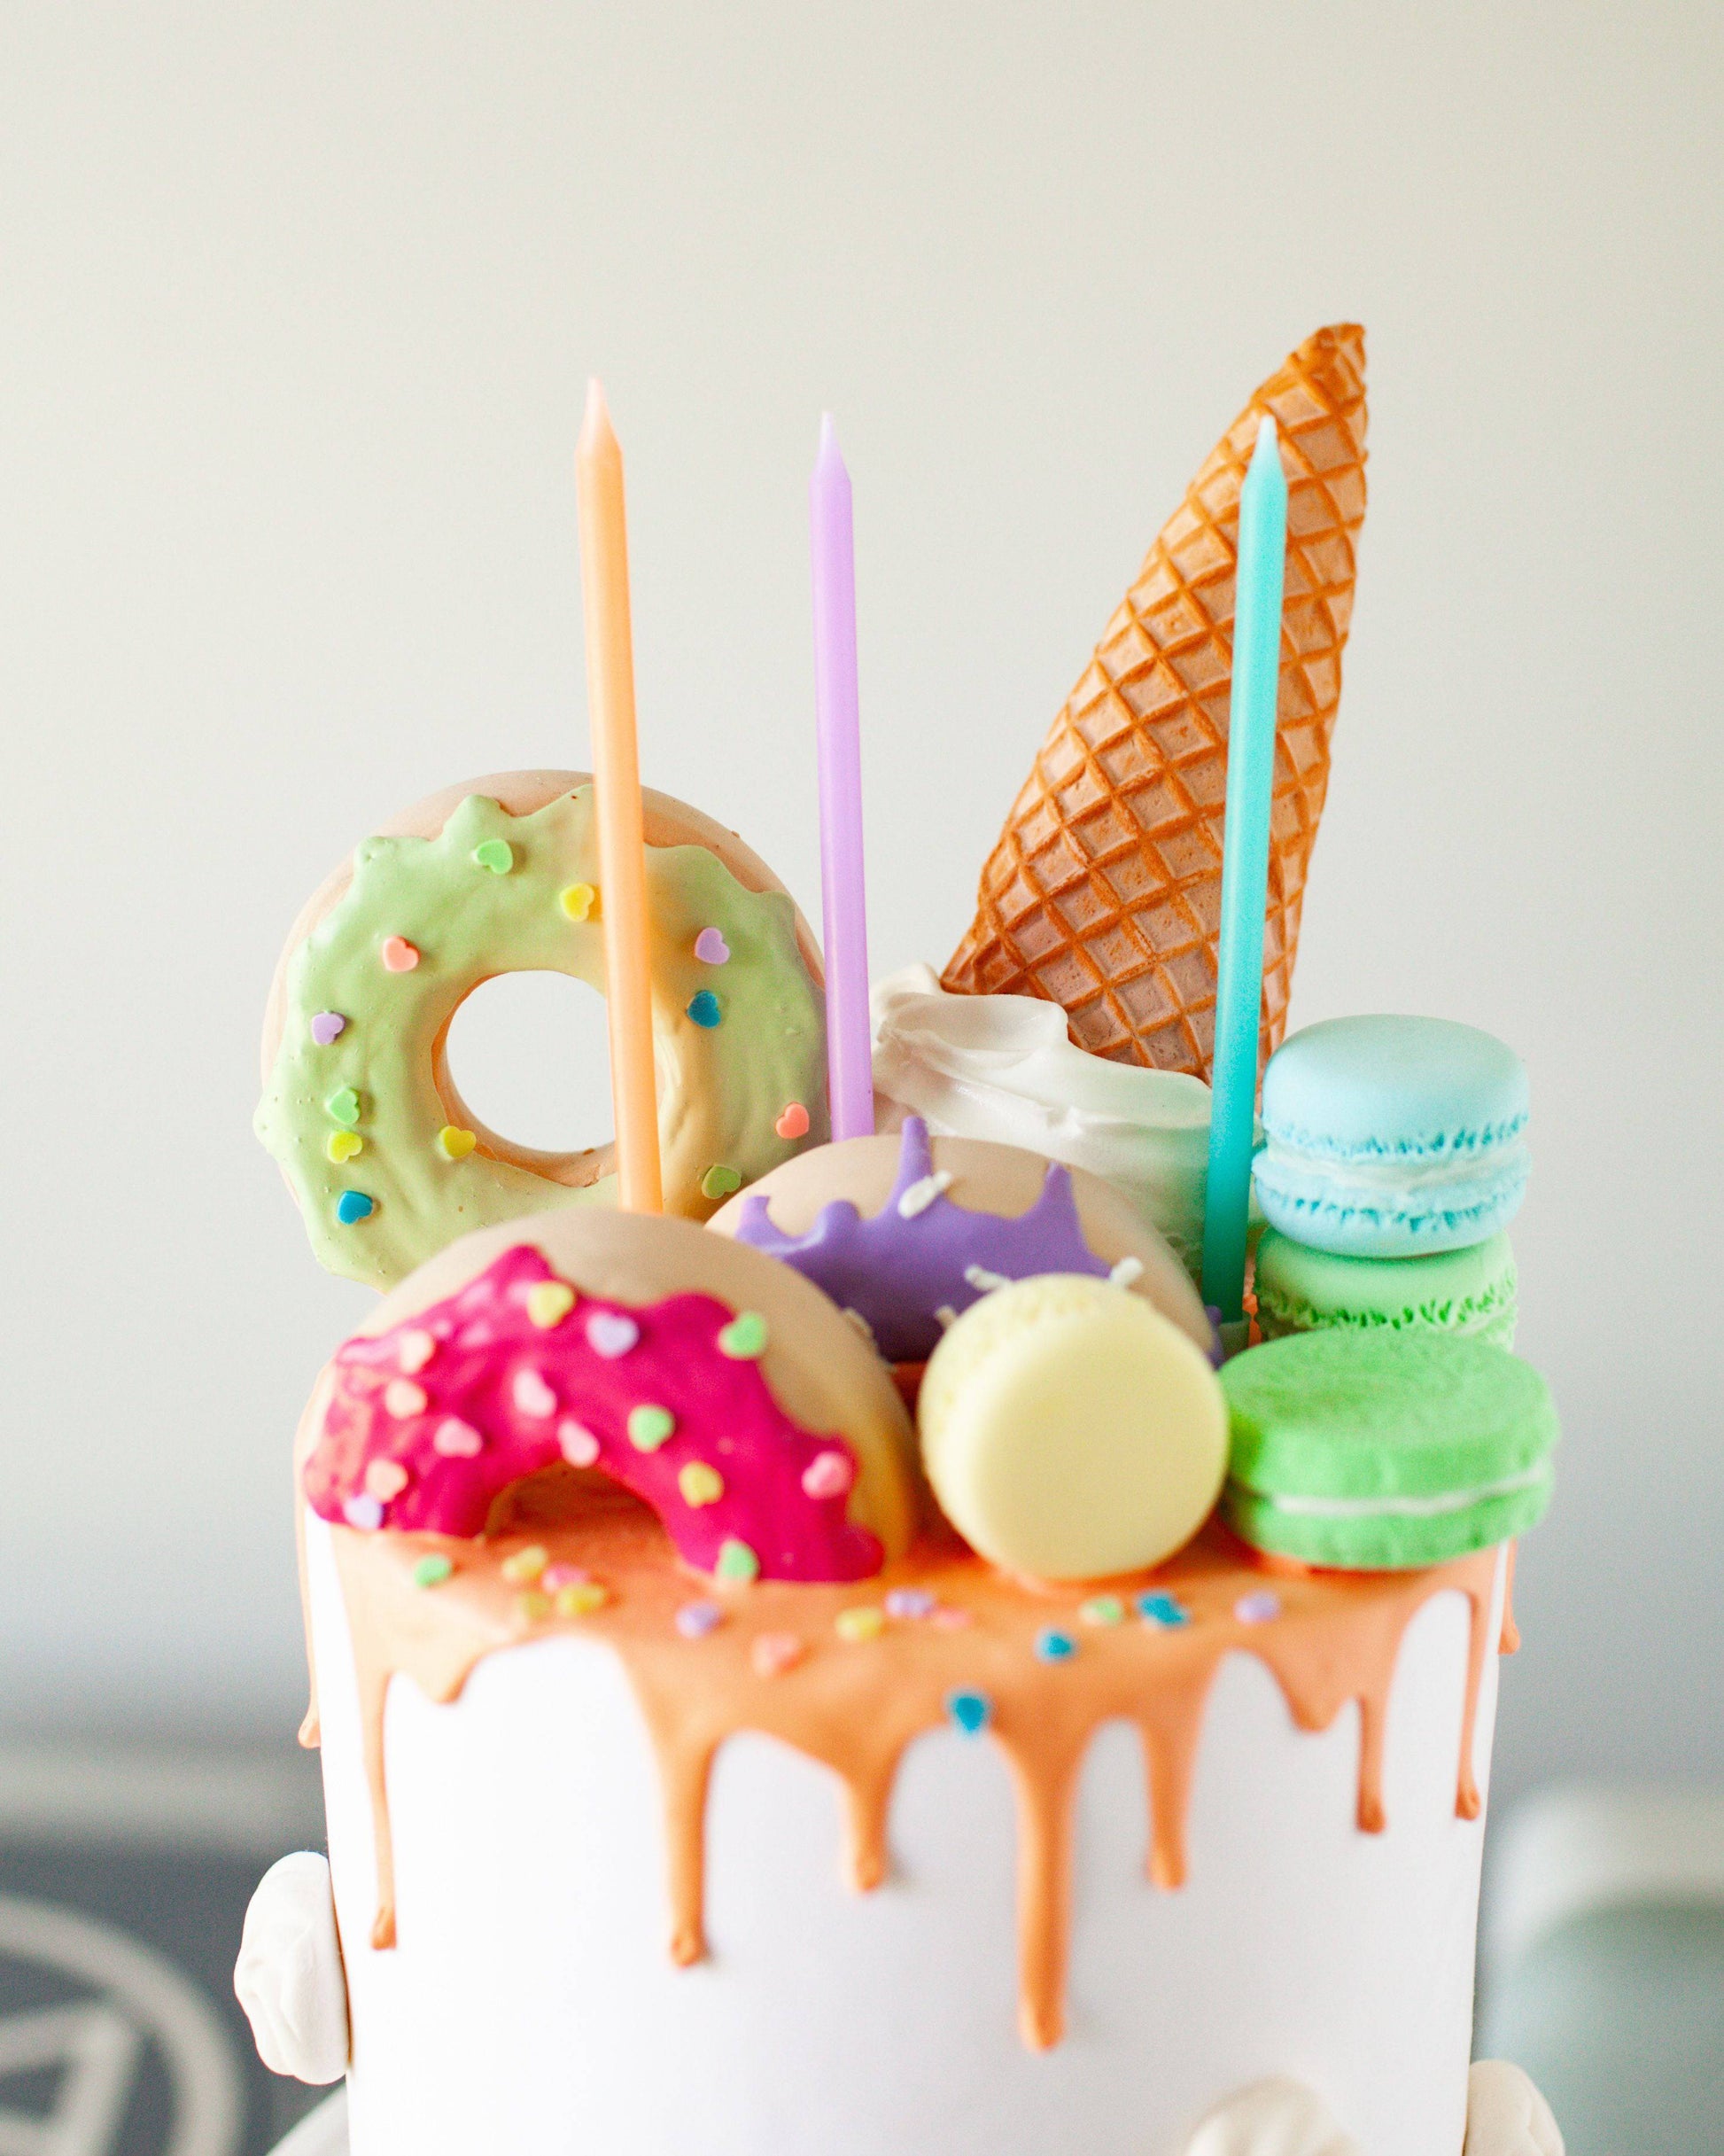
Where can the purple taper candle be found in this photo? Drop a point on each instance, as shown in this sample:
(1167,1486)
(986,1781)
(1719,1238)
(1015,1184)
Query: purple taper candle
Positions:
(850,1061)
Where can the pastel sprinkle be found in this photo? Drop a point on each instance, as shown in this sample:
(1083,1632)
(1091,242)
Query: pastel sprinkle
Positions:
(532,1395)
(344,1146)
(1052,1644)
(710,947)
(520,1567)
(398,955)
(1257,1608)
(454,1143)
(695,1620)
(1127,1272)
(863,1622)
(744,1339)
(416,1350)
(581,1447)
(432,1571)
(828,1475)
(534,1607)
(1103,1609)
(719,1182)
(353,1206)
(700,1484)
(385,1479)
(610,1334)
(910,1602)
(496,854)
(363,1513)
(775,1652)
(327,1025)
(793,1123)
(922,1194)
(1166,1610)
(582,1598)
(703,1009)
(554,1578)
(343,1107)
(456,1439)
(577,900)
(550,1303)
(648,1427)
(972,1711)
(402,1397)
(737,1561)
(952,1618)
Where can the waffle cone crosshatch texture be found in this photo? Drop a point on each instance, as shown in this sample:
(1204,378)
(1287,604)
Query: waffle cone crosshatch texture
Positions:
(1103,893)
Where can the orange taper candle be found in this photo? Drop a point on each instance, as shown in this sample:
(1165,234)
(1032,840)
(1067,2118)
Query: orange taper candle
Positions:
(623,911)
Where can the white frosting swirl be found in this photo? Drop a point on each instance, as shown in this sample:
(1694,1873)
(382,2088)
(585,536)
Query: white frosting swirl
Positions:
(1274,2118)
(1004,1068)
(290,1977)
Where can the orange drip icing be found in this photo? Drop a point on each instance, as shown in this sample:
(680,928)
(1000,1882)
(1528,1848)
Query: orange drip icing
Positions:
(856,1705)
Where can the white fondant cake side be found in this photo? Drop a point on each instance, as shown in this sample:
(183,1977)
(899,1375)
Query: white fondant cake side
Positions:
(530,2002)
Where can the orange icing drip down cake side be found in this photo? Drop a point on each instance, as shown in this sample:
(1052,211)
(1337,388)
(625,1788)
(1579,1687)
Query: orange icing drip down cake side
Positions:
(850,1674)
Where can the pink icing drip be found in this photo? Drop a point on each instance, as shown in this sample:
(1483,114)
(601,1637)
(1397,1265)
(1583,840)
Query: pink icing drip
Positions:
(492,1366)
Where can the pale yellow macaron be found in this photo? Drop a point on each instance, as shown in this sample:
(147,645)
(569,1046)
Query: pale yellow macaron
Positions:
(1071,1431)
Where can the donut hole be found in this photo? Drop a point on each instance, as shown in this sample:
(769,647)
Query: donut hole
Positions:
(530,1056)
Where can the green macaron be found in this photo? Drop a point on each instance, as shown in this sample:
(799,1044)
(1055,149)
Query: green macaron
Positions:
(1381,1450)
(1469,1292)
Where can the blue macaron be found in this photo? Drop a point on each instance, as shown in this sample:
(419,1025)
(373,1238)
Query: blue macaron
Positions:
(1392,1137)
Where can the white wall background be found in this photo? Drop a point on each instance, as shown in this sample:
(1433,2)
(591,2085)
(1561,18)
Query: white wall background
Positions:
(296,304)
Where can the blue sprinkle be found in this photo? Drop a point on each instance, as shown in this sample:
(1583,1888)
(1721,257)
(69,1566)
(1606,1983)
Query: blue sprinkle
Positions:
(1052,1644)
(972,1711)
(703,1009)
(1164,1609)
(910,1602)
(353,1205)
(695,1620)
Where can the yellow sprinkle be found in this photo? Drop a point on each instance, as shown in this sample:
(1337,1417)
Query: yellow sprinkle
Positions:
(454,1143)
(550,1302)
(579,901)
(865,1623)
(700,1484)
(521,1567)
(582,1598)
(533,1606)
(344,1144)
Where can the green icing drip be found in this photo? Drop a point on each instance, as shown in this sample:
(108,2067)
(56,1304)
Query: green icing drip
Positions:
(720,1088)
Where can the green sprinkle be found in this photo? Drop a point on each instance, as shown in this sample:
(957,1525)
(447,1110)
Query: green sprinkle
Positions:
(648,1427)
(737,1561)
(745,1338)
(719,1182)
(432,1571)
(496,854)
(343,1108)
(1103,1609)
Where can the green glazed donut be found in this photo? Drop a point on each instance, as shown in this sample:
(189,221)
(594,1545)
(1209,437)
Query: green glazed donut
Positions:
(501,875)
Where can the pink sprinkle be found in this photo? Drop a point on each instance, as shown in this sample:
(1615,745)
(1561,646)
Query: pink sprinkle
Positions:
(363,1513)
(398,955)
(775,1652)
(610,1334)
(1257,1608)
(828,1475)
(416,1350)
(385,1479)
(456,1439)
(556,1576)
(532,1395)
(950,1618)
(476,1335)
(581,1447)
(710,947)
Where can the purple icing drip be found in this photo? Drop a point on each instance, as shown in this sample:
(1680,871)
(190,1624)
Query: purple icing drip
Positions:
(899,1274)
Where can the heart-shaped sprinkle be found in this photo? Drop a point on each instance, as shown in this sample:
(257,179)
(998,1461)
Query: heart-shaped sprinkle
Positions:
(700,1484)
(736,1562)
(343,1107)
(416,1350)
(1257,1608)
(456,1439)
(578,900)
(496,854)
(648,1427)
(581,1447)
(775,1652)
(531,1395)
(910,1602)
(1103,1609)
(344,1146)
(557,1576)
(454,1143)
(793,1122)
(398,955)
(352,1206)
(1052,1644)
(970,1710)
(703,1009)
(365,1514)
(862,1623)
(550,1303)
(326,1025)
(385,1479)
(695,1620)
(432,1571)
(745,1338)
(828,1475)
(951,1617)
(710,947)
(1166,1610)
(521,1567)
(401,1398)
(582,1598)
(719,1182)
(610,1334)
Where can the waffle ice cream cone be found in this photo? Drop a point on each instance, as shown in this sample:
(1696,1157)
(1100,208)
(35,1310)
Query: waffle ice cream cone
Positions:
(1104,891)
